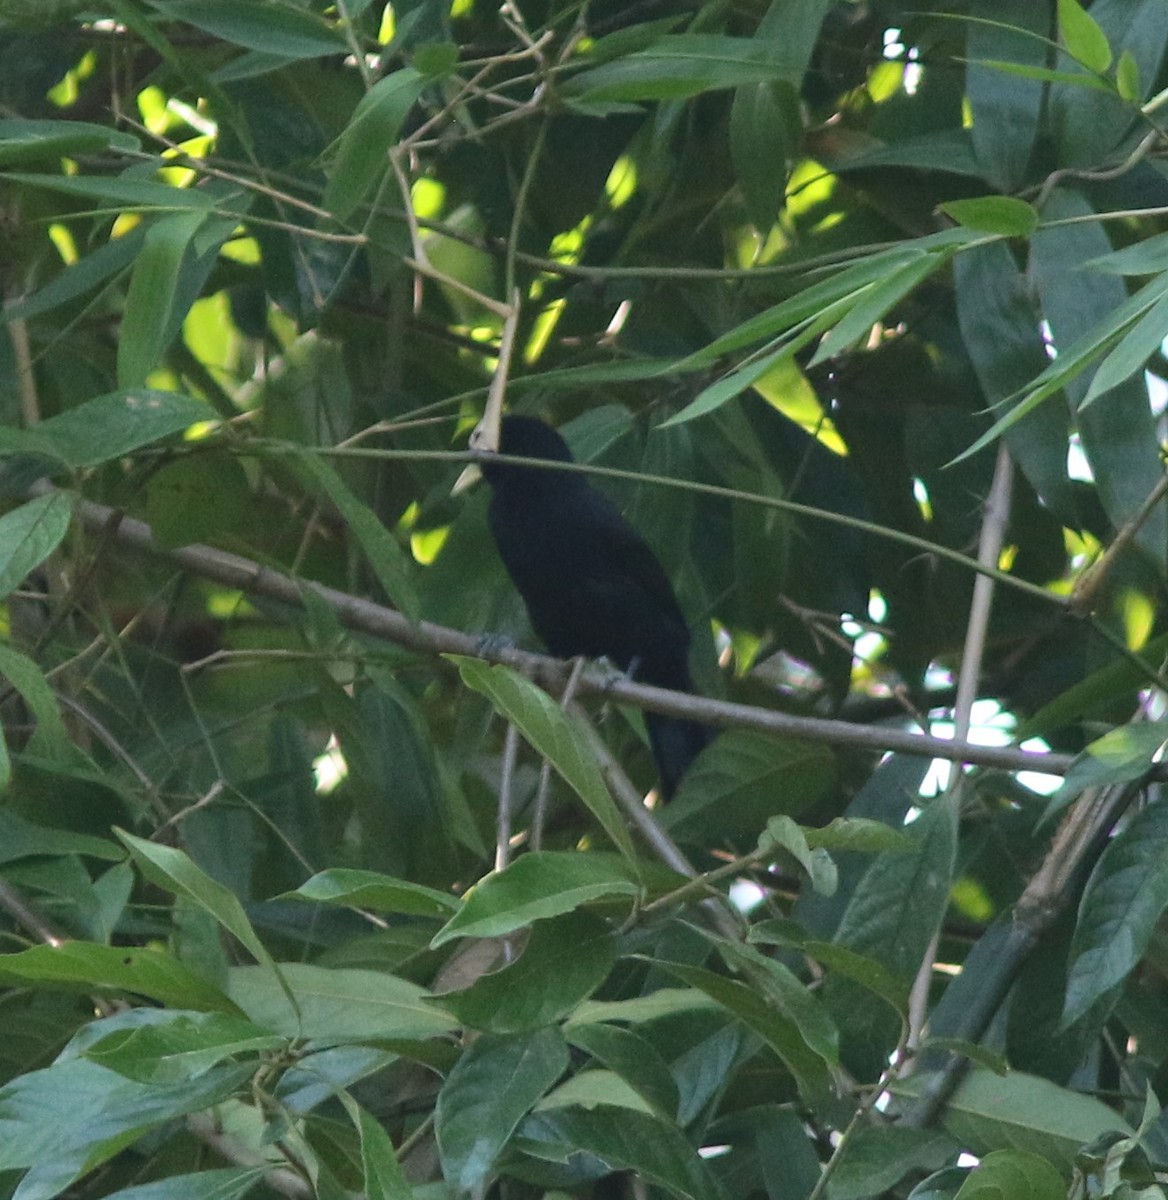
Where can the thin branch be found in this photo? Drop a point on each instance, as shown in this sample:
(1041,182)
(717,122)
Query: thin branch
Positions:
(424,637)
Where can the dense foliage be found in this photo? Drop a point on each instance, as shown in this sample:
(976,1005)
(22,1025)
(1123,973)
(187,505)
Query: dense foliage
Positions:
(857,311)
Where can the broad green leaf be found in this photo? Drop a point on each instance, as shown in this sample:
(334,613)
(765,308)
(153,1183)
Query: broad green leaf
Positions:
(385,556)
(1127,78)
(28,535)
(1149,256)
(263,25)
(493,1086)
(338,1005)
(775,1027)
(665,1002)
(184,1046)
(50,739)
(782,833)
(203,497)
(870,974)
(625,1140)
(534,887)
(1005,108)
(876,1158)
(118,423)
(742,780)
(23,140)
(121,192)
(874,303)
(994,214)
(564,961)
(859,834)
(554,734)
(1132,352)
(85,967)
(21,838)
(381,893)
(634,1058)
(764,133)
(1120,755)
(1044,75)
(678,66)
(150,320)
(1082,37)
(1125,896)
(219,1183)
(588,1089)
(1013,1173)
(1022,1112)
(383,1178)
(1000,325)
(362,158)
(173,871)
(80,277)
(69,1118)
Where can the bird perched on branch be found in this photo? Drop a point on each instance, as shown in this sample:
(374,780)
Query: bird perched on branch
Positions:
(591,583)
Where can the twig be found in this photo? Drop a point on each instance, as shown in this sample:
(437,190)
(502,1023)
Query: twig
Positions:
(363,616)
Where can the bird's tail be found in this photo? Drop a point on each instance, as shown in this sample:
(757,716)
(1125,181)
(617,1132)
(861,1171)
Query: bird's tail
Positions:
(675,744)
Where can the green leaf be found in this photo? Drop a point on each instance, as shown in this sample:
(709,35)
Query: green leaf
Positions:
(151,317)
(221,1183)
(1122,754)
(534,887)
(1081,35)
(1006,108)
(85,967)
(380,893)
(263,25)
(779,1030)
(1125,896)
(71,1117)
(122,192)
(385,556)
(1022,1112)
(118,423)
(625,1140)
(173,871)
(383,1178)
(1132,352)
(338,1005)
(870,974)
(564,961)
(181,1046)
(28,535)
(874,303)
(553,733)
(1045,75)
(859,834)
(876,1158)
(362,158)
(21,838)
(1149,256)
(23,140)
(80,277)
(678,66)
(994,214)
(634,1058)
(492,1087)
(50,740)
(742,780)
(782,832)
(199,498)
(1127,78)
(1013,1173)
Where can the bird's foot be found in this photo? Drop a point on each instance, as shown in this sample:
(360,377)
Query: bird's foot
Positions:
(491,645)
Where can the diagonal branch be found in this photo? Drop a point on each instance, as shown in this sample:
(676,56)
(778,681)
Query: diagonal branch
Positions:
(425,637)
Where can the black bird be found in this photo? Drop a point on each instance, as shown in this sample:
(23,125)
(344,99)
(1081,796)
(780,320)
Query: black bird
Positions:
(591,583)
